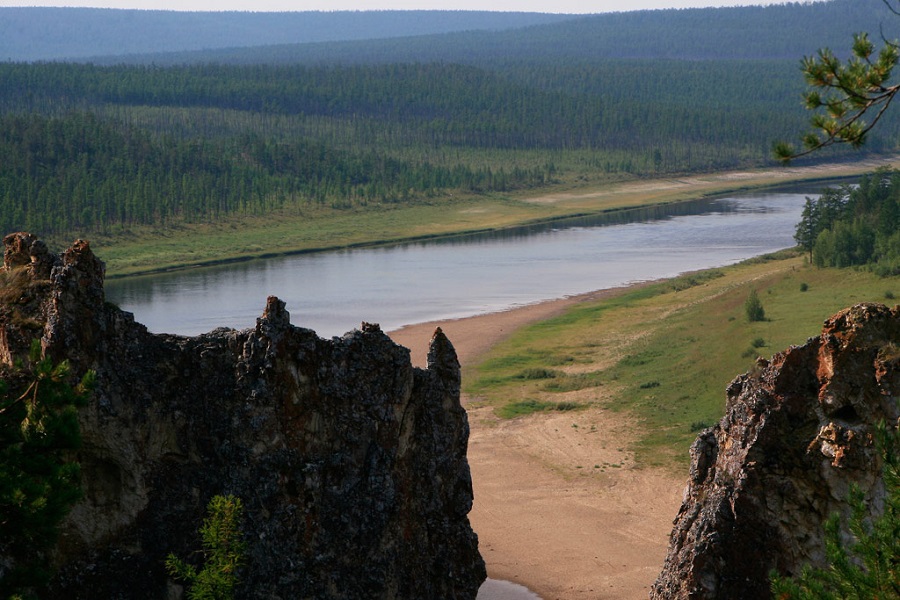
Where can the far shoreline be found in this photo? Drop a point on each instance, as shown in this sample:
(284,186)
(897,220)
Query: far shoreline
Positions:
(689,186)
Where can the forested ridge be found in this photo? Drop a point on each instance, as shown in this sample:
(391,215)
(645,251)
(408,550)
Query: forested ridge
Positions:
(777,31)
(99,148)
(36,33)
(780,31)
(102,148)
(608,104)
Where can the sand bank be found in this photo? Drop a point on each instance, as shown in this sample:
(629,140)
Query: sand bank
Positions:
(547,516)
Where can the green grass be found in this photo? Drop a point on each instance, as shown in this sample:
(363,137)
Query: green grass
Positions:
(666,356)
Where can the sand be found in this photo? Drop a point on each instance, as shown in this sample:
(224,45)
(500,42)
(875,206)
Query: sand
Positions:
(560,507)
(545,516)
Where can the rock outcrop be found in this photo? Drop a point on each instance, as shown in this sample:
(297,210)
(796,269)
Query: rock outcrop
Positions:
(350,462)
(798,431)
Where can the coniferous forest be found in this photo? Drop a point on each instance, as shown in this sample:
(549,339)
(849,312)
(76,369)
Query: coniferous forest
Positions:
(855,225)
(103,146)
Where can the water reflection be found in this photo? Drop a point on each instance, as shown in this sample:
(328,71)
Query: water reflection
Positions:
(618,217)
(439,279)
(496,589)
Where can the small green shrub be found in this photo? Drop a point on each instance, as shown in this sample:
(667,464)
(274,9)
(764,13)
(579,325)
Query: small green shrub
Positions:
(889,295)
(538,373)
(13,284)
(889,352)
(758,343)
(39,480)
(804,287)
(778,255)
(522,408)
(564,406)
(753,308)
(573,382)
(649,385)
(558,361)
(685,282)
(527,407)
(223,551)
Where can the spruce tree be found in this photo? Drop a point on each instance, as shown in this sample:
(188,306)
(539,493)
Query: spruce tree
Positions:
(754,308)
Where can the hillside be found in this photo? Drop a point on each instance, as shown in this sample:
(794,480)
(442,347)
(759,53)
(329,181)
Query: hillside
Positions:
(30,34)
(102,148)
(292,131)
(787,31)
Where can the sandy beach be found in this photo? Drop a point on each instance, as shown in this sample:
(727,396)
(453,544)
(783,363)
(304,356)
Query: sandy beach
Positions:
(547,515)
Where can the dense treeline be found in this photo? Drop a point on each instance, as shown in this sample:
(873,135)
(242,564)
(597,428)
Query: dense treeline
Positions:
(78,172)
(619,104)
(91,148)
(696,115)
(850,226)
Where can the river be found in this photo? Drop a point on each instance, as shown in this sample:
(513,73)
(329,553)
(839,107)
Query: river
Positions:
(333,292)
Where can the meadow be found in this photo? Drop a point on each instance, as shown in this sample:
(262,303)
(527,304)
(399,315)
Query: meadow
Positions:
(665,352)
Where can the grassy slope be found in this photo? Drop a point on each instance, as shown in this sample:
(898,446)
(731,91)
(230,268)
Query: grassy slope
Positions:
(666,356)
(148,250)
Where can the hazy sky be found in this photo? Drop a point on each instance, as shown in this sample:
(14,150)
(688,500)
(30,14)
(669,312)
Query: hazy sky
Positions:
(557,6)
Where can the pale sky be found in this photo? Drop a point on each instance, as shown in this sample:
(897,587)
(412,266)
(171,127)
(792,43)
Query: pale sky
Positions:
(554,6)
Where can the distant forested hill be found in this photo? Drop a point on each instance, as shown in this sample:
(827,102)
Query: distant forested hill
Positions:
(787,31)
(194,137)
(29,34)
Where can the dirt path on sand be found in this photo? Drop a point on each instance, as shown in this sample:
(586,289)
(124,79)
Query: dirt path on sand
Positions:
(559,505)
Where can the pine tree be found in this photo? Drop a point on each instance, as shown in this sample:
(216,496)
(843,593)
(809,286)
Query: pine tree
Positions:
(808,227)
(844,93)
(223,551)
(38,482)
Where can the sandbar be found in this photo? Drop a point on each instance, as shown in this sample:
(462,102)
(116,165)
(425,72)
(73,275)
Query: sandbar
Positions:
(547,516)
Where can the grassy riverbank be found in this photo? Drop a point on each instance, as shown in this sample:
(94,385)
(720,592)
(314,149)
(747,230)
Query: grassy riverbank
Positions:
(665,352)
(314,229)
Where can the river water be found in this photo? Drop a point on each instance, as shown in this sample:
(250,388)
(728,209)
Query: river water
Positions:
(333,292)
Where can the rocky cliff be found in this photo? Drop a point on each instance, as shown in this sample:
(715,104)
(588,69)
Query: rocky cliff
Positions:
(350,462)
(796,434)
